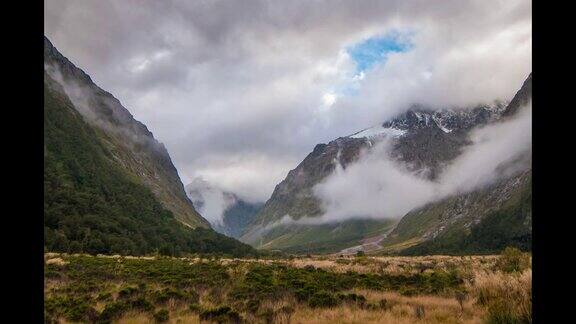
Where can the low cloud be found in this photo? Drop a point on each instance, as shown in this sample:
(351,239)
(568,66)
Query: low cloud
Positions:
(212,202)
(385,189)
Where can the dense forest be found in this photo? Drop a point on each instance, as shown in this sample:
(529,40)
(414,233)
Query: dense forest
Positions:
(92,205)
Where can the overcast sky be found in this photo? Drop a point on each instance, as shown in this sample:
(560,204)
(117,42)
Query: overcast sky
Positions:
(241,91)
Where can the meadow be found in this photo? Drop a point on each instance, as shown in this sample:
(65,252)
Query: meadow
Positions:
(303,289)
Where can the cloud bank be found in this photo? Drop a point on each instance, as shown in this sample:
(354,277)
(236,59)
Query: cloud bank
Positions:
(210,201)
(386,189)
(241,91)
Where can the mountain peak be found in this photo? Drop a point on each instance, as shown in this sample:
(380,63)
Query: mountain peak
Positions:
(522,97)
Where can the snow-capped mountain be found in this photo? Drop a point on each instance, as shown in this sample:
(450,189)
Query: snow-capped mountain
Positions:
(422,139)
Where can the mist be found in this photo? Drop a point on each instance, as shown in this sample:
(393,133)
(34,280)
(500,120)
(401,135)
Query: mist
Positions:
(378,187)
(88,100)
(210,201)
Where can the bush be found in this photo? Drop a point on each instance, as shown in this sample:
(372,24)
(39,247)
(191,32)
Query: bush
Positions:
(194,308)
(166,294)
(141,304)
(352,298)
(104,296)
(73,309)
(127,292)
(309,267)
(112,311)
(161,316)
(342,261)
(323,299)
(223,314)
(513,260)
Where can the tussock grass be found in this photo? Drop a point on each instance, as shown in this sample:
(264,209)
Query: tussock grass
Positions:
(507,296)
(327,289)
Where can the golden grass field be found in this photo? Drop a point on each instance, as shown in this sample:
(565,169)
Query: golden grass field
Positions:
(487,293)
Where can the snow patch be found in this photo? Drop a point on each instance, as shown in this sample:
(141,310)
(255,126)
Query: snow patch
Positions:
(378,131)
(438,122)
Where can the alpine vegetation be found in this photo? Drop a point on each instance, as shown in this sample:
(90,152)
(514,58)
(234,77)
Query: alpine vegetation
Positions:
(296,161)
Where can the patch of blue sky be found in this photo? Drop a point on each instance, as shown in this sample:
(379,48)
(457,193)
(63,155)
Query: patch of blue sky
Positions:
(375,50)
(366,55)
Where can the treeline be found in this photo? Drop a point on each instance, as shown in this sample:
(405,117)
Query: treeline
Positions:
(92,205)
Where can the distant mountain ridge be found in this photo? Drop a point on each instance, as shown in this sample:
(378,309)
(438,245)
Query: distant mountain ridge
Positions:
(227,213)
(423,139)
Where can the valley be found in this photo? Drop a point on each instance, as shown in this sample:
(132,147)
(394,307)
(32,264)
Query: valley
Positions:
(287,162)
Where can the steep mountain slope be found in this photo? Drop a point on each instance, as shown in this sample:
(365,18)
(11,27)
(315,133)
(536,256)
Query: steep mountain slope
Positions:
(97,196)
(227,213)
(483,221)
(497,221)
(130,142)
(294,197)
(423,140)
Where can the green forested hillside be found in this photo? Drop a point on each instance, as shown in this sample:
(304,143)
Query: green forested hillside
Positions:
(509,226)
(92,205)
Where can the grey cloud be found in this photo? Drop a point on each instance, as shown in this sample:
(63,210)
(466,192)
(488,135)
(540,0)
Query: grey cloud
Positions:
(242,80)
(385,188)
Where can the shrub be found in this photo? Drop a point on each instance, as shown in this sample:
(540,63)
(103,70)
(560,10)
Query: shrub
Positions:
(309,267)
(352,298)
(112,311)
(194,308)
(323,299)
(166,294)
(73,309)
(161,316)
(408,291)
(221,314)
(141,304)
(513,260)
(104,296)
(127,292)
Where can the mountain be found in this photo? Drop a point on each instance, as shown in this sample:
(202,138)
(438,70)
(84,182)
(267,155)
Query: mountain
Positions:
(227,213)
(424,140)
(482,221)
(109,186)
(294,197)
(131,143)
